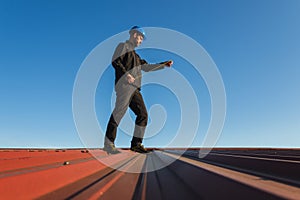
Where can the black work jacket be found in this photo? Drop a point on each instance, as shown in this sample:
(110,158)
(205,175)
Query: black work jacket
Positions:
(125,60)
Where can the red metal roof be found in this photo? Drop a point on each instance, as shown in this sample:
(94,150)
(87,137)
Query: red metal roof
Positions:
(81,174)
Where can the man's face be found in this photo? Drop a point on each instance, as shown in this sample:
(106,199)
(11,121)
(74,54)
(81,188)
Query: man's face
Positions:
(138,39)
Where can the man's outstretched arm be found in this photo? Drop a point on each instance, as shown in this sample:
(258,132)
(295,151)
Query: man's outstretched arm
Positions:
(153,67)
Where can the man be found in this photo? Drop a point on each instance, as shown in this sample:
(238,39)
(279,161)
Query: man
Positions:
(128,65)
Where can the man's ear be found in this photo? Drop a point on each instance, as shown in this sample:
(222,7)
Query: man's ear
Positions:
(135,35)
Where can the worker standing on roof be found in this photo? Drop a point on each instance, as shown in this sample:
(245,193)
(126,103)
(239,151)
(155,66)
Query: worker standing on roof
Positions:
(128,65)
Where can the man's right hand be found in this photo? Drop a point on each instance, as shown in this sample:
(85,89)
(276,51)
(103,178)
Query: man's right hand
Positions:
(130,78)
(169,63)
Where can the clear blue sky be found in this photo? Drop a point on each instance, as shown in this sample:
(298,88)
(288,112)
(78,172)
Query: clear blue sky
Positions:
(255,44)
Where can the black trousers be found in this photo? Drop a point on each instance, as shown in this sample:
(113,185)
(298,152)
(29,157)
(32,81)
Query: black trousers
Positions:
(128,96)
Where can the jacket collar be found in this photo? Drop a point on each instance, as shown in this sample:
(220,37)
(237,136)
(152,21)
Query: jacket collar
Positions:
(130,45)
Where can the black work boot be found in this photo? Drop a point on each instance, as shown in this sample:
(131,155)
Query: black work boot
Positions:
(111,149)
(139,148)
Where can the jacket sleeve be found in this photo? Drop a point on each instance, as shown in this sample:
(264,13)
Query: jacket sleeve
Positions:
(151,67)
(118,58)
